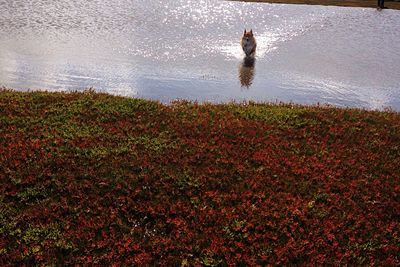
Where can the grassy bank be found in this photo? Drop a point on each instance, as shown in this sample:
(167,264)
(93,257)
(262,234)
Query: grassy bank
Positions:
(96,179)
(349,3)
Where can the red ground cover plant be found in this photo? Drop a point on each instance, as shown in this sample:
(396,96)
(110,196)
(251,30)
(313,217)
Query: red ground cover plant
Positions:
(96,179)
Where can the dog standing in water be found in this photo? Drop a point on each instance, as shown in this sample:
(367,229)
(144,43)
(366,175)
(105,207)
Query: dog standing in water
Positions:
(248,43)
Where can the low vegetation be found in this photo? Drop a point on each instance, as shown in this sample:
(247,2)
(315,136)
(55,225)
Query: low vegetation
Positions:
(94,179)
(391,4)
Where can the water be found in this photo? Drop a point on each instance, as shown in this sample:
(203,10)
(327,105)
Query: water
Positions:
(190,49)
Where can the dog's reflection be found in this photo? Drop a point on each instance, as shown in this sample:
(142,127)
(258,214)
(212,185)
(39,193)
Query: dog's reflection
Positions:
(246,71)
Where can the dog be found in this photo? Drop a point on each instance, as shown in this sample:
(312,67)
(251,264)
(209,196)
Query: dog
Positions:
(248,43)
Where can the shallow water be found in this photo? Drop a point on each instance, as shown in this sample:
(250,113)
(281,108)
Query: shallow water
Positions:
(190,49)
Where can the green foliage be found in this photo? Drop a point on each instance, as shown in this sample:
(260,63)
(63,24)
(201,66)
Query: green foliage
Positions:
(283,115)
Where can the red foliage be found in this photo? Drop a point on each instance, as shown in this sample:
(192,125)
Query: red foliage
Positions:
(141,183)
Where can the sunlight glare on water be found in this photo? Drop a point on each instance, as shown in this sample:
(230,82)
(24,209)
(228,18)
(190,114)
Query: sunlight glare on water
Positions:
(190,49)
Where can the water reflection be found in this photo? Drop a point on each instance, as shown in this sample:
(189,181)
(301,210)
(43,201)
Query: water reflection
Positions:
(190,49)
(246,71)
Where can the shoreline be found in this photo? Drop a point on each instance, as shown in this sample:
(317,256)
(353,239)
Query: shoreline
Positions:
(346,3)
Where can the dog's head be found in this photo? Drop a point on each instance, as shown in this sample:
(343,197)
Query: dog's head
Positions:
(247,36)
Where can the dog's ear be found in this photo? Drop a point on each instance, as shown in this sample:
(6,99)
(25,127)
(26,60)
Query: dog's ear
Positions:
(244,31)
(251,31)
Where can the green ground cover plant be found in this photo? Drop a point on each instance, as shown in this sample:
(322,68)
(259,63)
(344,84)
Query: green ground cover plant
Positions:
(95,179)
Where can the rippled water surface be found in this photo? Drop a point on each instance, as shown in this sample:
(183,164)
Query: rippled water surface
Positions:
(190,49)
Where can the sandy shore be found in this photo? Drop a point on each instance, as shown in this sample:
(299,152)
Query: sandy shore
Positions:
(351,3)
